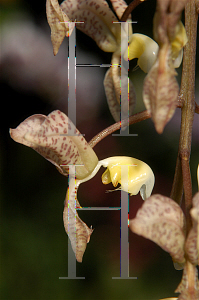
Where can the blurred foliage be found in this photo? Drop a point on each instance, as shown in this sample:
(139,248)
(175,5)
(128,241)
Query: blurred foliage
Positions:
(33,240)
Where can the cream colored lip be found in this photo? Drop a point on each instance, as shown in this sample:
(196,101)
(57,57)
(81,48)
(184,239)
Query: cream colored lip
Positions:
(134,175)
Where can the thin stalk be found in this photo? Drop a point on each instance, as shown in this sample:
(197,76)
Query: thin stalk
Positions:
(141,116)
(187,92)
(129,9)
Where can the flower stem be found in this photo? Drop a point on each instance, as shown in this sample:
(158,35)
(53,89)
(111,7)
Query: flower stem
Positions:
(129,9)
(141,116)
(187,93)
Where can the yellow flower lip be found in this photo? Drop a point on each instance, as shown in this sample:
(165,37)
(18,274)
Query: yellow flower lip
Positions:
(144,48)
(133,175)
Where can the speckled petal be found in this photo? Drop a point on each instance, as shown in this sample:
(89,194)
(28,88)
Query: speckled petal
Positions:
(58,30)
(113,104)
(79,233)
(160,92)
(48,136)
(98,21)
(113,91)
(161,220)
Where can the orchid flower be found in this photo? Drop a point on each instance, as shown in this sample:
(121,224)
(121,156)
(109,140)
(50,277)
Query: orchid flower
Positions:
(101,24)
(56,138)
(161,90)
(161,220)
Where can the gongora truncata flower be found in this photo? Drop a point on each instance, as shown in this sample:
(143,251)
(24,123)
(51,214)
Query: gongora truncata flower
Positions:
(56,138)
(97,20)
(160,93)
(48,135)
(161,89)
(161,220)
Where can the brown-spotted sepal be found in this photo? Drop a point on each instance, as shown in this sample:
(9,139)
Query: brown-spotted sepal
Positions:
(160,93)
(161,220)
(78,232)
(57,139)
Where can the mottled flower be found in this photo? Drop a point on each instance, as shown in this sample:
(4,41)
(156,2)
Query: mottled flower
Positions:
(57,139)
(99,22)
(161,220)
(160,93)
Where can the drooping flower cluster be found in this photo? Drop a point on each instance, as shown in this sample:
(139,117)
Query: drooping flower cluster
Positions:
(56,138)
(101,24)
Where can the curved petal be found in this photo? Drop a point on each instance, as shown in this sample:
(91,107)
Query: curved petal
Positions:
(144,48)
(78,232)
(55,15)
(177,62)
(160,92)
(119,7)
(98,21)
(112,85)
(137,177)
(179,41)
(48,135)
(113,104)
(161,220)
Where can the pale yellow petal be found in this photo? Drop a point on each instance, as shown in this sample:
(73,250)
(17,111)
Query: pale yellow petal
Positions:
(134,175)
(144,48)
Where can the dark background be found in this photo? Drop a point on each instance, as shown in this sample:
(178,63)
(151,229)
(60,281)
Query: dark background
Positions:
(33,240)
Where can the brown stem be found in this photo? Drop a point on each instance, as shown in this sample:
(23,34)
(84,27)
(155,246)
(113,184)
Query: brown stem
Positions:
(187,92)
(129,9)
(141,116)
(180,104)
(177,188)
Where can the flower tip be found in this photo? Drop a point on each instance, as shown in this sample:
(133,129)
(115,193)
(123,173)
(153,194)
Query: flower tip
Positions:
(79,258)
(13,134)
(159,121)
(55,51)
(159,127)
